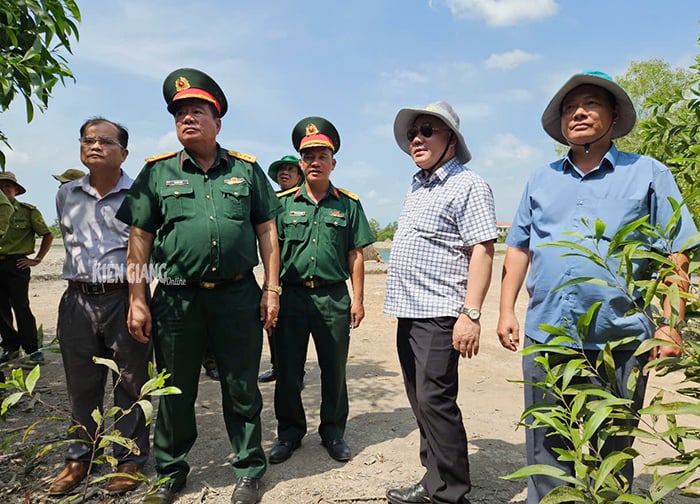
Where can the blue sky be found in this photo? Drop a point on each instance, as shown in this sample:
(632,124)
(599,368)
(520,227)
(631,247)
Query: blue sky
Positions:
(498,62)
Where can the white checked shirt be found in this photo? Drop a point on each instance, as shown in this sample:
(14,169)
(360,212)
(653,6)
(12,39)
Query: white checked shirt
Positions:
(441,220)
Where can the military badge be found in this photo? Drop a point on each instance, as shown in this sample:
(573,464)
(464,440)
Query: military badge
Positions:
(234,181)
(181,83)
(336,213)
(297,213)
(171,183)
(311,129)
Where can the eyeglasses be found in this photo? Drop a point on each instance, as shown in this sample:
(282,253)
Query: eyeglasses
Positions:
(426,130)
(89,141)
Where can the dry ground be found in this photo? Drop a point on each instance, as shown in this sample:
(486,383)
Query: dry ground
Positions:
(381,430)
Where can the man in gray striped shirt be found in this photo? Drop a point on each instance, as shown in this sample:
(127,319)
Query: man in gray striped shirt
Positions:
(439,273)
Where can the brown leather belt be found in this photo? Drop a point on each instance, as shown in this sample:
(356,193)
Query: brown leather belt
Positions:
(201,284)
(314,283)
(94,289)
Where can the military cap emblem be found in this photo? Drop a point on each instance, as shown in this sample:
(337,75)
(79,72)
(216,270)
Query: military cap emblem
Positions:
(311,129)
(181,83)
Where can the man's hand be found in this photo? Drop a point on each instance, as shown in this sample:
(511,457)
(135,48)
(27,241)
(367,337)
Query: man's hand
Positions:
(465,336)
(664,332)
(357,313)
(508,331)
(139,321)
(26,262)
(269,309)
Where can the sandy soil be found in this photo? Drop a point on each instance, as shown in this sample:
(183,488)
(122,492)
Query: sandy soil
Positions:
(381,429)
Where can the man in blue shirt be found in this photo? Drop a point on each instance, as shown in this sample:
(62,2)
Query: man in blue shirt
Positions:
(594,180)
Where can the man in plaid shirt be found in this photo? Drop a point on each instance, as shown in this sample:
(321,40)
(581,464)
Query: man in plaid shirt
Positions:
(439,273)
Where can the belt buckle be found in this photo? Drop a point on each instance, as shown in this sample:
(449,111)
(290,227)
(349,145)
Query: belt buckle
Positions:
(207,285)
(94,288)
(311,284)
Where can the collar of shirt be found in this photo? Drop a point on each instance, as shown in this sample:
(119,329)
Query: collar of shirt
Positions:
(444,171)
(303,193)
(123,184)
(187,161)
(609,161)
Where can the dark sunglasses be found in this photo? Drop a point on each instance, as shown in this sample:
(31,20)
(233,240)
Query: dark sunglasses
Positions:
(426,130)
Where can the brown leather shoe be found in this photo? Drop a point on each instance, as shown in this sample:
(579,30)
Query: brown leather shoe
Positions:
(123,483)
(73,473)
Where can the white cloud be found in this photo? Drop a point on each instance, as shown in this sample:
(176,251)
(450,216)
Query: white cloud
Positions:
(503,12)
(509,150)
(509,60)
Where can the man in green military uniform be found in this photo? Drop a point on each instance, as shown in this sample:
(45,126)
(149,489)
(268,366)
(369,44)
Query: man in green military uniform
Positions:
(287,173)
(6,211)
(322,232)
(26,223)
(201,214)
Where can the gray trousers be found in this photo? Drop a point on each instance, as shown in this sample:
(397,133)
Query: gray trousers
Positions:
(95,325)
(540,446)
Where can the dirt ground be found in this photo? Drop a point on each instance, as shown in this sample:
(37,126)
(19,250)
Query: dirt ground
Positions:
(381,430)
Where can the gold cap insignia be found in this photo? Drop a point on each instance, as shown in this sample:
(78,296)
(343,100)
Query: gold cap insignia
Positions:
(181,84)
(311,129)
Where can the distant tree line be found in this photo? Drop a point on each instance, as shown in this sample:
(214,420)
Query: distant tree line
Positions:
(383,233)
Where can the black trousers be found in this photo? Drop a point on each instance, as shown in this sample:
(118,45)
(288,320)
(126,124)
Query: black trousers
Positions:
(14,297)
(429,365)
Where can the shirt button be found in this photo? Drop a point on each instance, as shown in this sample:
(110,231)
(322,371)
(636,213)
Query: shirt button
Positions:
(314,240)
(213,242)
(176,192)
(315,223)
(206,177)
(213,268)
(207,196)
(313,258)
(211,217)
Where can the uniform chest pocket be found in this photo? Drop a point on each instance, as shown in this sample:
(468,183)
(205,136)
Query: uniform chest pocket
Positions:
(178,202)
(236,200)
(295,227)
(20,223)
(335,225)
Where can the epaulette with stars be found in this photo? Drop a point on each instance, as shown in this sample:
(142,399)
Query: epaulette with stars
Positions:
(160,157)
(240,155)
(289,191)
(349,194)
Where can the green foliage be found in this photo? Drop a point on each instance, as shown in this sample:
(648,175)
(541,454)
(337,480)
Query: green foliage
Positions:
(587,405)
(21,387)
(385,233)
(33,35)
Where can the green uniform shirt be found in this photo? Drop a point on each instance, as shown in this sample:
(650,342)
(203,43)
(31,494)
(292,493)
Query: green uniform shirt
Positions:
(26,223)
(203,221)
(6,211)
(315,239)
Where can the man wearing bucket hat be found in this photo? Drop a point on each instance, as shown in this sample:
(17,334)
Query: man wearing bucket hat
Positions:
(594,180)
(26,224)
(322,232)
(69,175)
(439,273)
(202,213)
(6,211)
(287,173)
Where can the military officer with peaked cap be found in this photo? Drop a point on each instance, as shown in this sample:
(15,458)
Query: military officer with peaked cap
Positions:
(322,232)
(199,213)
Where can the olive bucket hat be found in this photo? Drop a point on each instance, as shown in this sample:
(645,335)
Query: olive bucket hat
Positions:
(12,178)
(443,111)
(551,118)
(68,175)
(286,160)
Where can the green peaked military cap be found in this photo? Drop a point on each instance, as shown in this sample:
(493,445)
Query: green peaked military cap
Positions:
(315,131)
(186,83)
(275,166)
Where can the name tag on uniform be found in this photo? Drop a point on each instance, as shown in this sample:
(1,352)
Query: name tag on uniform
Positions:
(170,183)
(297,213)
(336,213)
(234,180)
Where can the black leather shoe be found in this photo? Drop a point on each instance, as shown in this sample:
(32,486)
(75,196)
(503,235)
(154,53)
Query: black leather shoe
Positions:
(283,450)
(412,495)
(8,355)
(164,493)
(247,491)
(337,449)
(268,375)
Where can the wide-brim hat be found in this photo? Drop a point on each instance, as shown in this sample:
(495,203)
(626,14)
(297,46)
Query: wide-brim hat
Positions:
(69,175)
(626,117)
(443,111)
(185,83)
(275,166)
(11,177)
(314,131)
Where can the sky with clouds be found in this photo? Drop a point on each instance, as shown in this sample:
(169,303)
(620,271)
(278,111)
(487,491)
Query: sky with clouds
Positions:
(498,62)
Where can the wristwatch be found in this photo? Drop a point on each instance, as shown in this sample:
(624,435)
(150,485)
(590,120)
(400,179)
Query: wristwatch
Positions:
(273,288)
(472,313)
(680,324)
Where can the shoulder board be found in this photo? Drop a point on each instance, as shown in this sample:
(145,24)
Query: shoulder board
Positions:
(245,157)
(27,205)
(349,194)
(159,157)
(287,192)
